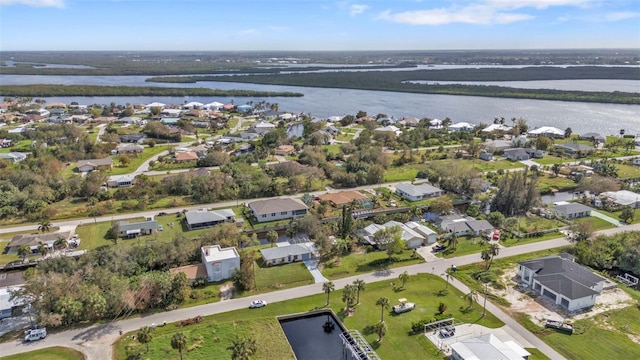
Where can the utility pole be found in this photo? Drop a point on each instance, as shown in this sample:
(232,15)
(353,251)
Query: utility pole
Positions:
(484,306)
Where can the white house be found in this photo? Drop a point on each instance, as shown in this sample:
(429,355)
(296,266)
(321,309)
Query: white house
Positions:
(417,192)
(116,181)
(461,126)
(155,104)
(623,198)
(548,131)
(220,263)
(213,106)
(263,127)
(389,128)
(287,253)
(199,219)
(560,279)
(568,210)
(487,347)
(6,304)
(131,230)
(277,209)
(413,233)
(192,105)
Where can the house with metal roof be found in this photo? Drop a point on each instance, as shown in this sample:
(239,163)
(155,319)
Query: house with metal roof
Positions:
(15,157)
(287,253)
(131,230)
(220,263)
(548,131)
(623,198)
(487,347)
(567,210)
(419,192)
(277,209)
(562,280)
(116,181)
(33,240)
(199,219)
(414,234)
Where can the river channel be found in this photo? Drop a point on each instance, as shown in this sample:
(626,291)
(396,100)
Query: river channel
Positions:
(606,119)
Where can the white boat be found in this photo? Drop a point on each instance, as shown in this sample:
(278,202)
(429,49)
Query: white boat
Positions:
(404,306)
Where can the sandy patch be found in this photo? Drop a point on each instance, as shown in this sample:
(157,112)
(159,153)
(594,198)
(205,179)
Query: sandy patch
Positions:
(227,291)
(540,308)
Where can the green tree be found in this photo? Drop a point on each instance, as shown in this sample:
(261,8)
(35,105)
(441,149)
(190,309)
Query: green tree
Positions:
(404,276)
(272,237)
(60,243)
(383,302)
(44,225)
(179,342)
(327,288)
(556,169)
(24,251)
(145,335)
(242,348)
(442,307)
(380,329)
(349,295)
(390,239)
(452,241)
(494,249)
(627,215)
(471,297)
(496,219)
(359,285)
(43,249)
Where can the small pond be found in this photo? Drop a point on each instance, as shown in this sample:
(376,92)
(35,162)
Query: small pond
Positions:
(308,338)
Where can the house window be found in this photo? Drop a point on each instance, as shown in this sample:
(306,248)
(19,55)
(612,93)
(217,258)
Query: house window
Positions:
(295,257)
(264,216)
(273,214)
(283,213)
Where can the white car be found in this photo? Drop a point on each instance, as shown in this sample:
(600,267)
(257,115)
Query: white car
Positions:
(257,304)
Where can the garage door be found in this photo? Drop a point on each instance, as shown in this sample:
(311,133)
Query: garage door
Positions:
(549,294)
(564,302)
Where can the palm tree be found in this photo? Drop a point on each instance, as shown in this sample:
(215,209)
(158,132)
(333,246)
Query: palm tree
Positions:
(383,302)
(471,296)
(380,329)
(416,211)
(328,287)
(348,295)
(452,241)
(145,335)
(359,286)
(403,278)
(242,348)
(179,342)
(486,256)
(60,243)
(272,236)
(24,251)
(43,249)
(44,225)
(494,249)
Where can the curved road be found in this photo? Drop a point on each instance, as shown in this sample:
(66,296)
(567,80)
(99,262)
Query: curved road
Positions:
(95,341)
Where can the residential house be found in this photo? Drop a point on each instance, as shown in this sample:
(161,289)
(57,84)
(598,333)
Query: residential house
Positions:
(155,104)
(198,219)
(485,155)
(277,209)
(409,122)
(570,211)
(548,131)
(263,127)
(220,263)
(560,279)
(33,240)
(435,124)
(287,253)
(288,117)
(7,305)
(213,106)
(117,181)
(487,347)
(516,154)
(479,227)
(15,157)
(244,108)
(131,230)
(284,150)
(129,149)
(417,192)
(461,126)
(338,199)
(464,225)
(192,105)
(493,128)
(95,164)
(595,137)
(170,121)
(132,138)
(480,184)
(389,128)
(413,233)
(623,198)
(186,156)
(572,148)
(170,113)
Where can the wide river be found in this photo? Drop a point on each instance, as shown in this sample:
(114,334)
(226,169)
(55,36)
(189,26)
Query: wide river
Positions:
(606,119)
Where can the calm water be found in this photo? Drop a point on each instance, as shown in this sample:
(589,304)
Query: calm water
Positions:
(308,339)
(606,119)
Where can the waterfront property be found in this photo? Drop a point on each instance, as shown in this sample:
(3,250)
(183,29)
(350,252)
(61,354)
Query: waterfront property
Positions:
(32,240)
(560,279)
(220,263)
(277,209)
(487,347)
(569,211)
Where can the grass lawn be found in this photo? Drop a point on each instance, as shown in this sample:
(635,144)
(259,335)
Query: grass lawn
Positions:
(514,241)
(406,172)
(333,148)
(546,183)
(550,160)
(136,161)
(214,334)
(537,223)
(51,353)
(354,264)
(344,137)
(281,276)
(628,171)
(616,215)
(465,246)
(486,166)
(596,222)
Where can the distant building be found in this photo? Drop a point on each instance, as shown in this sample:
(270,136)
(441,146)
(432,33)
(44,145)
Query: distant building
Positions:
(572,148)
(220,263)
(33,240)
(95,164)
(341,198)
(117,181)
(548,131)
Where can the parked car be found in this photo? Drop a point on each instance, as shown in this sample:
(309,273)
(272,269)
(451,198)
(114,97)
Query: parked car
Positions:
(35,334)
(438,247)
(257,304)
(160,228)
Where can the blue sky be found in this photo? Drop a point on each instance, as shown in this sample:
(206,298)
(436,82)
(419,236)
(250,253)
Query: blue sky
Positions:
(317,25)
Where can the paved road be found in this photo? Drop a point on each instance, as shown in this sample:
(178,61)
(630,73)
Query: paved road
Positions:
(95,341)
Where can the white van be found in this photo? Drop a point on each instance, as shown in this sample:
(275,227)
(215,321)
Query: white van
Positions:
(35,334)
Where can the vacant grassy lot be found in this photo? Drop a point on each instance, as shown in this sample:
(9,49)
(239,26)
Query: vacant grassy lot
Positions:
(52,353)
(406,172)
(354,264)
(136,161)
(597,223)
(281,276)
(465,246)
(628,171)
(214,334)
(546,183)
(486,166)
(616,215)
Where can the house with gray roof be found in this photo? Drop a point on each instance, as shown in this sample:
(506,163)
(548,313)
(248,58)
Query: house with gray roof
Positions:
(117,181)
(516,154)
(569,211)
(572,148)
(595,137)
(131,230)
(413,233)
(199,219)
(413,192)
(95,164)
(560,279)
(287,253)
(33,240)
(277,209)
(15,157)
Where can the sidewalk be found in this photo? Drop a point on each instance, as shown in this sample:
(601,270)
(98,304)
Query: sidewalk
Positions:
(607,218)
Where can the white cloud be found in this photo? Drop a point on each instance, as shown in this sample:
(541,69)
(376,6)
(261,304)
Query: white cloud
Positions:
(34,3)
(479,12)
(356,9)
(621,15)
(247,32)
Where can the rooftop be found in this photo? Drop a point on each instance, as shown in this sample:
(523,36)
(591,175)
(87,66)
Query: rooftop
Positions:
(203,216)
(275,205)
(214,253)
(284,251)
